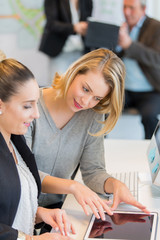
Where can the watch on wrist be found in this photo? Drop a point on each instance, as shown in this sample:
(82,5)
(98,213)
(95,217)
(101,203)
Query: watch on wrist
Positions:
(21,236)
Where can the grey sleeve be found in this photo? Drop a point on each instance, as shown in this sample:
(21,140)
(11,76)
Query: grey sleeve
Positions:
(92,162)
(42,175)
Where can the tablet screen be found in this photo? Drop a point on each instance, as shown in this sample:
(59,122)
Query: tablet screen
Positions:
(122,225)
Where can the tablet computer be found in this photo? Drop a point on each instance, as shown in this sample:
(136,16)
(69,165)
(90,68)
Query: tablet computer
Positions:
(100,34)
(123,225)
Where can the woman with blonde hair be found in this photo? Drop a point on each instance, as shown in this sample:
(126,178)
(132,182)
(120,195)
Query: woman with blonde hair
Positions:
(111,67)
(71,128)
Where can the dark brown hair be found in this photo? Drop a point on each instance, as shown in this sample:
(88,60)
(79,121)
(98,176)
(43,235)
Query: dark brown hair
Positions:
(12,75)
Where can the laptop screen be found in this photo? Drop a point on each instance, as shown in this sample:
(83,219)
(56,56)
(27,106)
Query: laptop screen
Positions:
(154,156)
(157,136)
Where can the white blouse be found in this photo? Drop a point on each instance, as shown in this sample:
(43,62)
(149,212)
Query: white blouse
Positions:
(25,217)
(74,42)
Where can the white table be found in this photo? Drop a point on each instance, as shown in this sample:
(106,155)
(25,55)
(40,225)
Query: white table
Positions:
(120,155)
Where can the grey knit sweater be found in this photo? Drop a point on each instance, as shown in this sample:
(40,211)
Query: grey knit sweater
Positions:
(58,152)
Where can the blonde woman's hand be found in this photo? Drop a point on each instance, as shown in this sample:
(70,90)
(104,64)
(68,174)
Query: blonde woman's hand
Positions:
(86,196)
(121,193)
(57,219)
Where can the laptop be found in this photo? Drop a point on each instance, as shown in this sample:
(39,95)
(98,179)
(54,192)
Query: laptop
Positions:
(101,35)
(153,155)
(150,179)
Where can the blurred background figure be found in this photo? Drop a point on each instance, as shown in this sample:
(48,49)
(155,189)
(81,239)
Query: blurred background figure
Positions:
(64,32)
(139,47)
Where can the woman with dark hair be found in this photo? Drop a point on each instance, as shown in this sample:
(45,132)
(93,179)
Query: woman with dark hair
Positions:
(20,183)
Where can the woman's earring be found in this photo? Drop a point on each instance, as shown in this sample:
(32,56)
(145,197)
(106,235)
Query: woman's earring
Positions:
(0,112)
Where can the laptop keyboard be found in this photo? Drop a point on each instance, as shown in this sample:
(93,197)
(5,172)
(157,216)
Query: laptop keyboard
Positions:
(130,179)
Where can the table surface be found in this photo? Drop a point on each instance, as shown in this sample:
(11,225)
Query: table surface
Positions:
(120,155)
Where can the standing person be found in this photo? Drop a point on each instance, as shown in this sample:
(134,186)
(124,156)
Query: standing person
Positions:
(71,127)
(139,41)
(66,26)
(20,183)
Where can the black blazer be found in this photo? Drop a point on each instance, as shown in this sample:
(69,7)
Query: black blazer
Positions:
(58,24)
(10,184)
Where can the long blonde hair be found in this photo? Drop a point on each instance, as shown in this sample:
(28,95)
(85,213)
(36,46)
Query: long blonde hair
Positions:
(113,71)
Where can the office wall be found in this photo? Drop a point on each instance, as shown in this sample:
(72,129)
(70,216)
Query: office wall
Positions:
(21,25)
(111,11)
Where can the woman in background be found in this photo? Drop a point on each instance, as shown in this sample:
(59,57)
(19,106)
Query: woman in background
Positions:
(63,36)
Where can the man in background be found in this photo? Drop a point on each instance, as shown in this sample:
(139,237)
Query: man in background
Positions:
(139,47)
